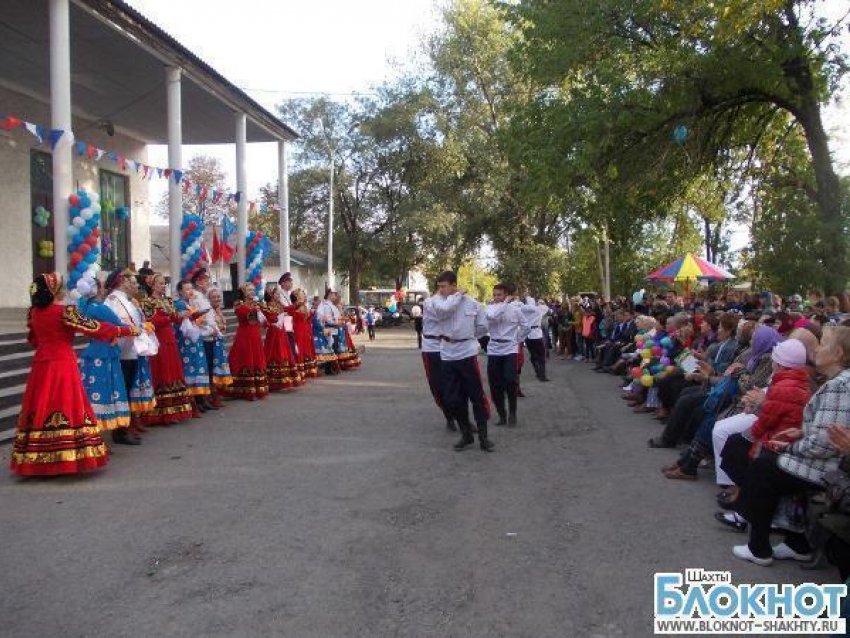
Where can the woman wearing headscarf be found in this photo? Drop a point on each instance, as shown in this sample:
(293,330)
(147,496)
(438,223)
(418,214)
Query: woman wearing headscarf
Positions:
(220,377)
(57,429)
(101,361)
(759,369)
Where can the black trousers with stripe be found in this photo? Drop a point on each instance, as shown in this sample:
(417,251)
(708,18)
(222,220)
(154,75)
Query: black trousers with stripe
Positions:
(503,377)
(461,384)
(434,374)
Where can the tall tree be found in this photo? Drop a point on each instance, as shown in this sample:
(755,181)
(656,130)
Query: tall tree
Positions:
(627,76)
(205,171)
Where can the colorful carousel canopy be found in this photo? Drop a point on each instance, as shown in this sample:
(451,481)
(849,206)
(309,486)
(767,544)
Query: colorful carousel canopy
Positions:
(688,268)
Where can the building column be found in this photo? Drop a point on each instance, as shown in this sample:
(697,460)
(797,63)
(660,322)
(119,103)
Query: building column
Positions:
(60,118)
(283,201)
(242,188)
(175,161)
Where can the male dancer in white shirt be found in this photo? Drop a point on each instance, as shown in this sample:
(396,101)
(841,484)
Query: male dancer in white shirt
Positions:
(508,329)
(122,286)
(535,344)
(431,341)
(461,322)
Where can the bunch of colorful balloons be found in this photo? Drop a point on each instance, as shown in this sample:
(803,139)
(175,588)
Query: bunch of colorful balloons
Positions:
(191,238)
(45,248)
(41,217)
(254,255)
(655,359)
(83,237)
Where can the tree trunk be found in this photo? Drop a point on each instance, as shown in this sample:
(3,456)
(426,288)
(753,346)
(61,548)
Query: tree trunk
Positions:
(834,253)
(601,266)
(355,270)
(707,225)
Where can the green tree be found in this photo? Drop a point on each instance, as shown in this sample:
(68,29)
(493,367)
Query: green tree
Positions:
(622,78)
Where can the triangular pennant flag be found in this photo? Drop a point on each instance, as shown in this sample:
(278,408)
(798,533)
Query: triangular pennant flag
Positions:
(9,122)
(81,148)
(91,151)
(159,172)
(36,130)
(54,136)
(98,153)
(178,175)
(113,156)
(237,196)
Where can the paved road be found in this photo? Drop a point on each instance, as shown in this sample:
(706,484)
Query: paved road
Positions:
(341,510)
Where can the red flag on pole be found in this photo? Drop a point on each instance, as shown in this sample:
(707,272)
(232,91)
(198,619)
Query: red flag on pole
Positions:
(216,253)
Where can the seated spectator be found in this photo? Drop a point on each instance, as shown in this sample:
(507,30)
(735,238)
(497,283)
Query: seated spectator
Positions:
(696,386)
(782,409)
(800,465)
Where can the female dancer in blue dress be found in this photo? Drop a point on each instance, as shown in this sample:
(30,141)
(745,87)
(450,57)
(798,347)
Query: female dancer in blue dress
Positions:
(101,362)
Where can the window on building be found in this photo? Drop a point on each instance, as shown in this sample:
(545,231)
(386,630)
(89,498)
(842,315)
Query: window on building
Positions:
(41,194)
(114,227)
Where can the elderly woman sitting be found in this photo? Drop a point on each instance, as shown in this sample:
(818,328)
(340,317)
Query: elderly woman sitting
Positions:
(801,465)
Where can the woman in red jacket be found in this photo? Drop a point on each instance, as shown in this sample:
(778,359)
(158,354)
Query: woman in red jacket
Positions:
(779,415)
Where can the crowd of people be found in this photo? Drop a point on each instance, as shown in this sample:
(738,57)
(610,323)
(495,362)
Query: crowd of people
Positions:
(154,360)
(755,389)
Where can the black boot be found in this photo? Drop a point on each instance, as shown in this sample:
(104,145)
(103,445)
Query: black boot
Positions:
(121,436)
(450,425)
(502,418)
(466,438)
(485,443)
(512,420)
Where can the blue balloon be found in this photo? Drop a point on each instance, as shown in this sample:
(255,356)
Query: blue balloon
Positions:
(85,202)
(74,212)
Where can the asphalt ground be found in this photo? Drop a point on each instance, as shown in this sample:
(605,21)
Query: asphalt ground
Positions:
(341,510)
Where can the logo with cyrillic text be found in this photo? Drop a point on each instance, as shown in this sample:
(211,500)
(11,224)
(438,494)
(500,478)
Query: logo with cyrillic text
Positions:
(706,602)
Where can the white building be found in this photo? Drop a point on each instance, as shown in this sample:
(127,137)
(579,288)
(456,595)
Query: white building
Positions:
(107,76)
(309,271)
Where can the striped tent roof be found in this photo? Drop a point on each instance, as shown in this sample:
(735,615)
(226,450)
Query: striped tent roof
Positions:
(690,267)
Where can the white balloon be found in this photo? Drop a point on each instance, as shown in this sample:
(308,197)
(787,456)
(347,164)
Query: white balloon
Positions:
(96,267)
(93,196)
(75,294)
(95,208)
(86,213)
(192,249)
(72,231)
(79,222)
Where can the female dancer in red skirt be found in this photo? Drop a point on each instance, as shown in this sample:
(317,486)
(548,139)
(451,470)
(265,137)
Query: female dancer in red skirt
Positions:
(57,429)
(303,329)
(173,401)
(281,362)
(247,360)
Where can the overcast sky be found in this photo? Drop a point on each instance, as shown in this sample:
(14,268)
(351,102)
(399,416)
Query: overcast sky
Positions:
(276,49)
